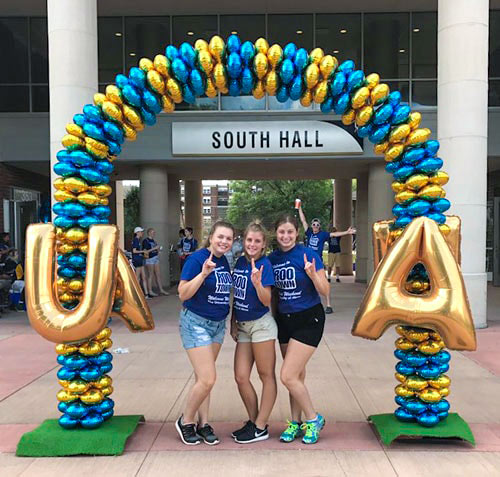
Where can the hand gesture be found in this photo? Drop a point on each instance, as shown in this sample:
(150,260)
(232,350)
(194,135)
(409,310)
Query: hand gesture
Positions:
(310,267)
(351,230)
(256,276)
(208,266)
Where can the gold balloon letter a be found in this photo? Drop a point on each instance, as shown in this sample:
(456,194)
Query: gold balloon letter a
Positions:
(108,273)
(444,308)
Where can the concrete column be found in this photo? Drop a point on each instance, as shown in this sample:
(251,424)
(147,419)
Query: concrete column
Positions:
(174,209)
(342,213)
(117,212)
(463,134)
(192,209)
(362,234)
(154,210)
(72,35)
(380,202)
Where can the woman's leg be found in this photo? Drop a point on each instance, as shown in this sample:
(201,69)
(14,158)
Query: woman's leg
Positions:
(142,279)
(295,408)
(265,360)
(205,405)
(149,275)
(156,271)
(296,356)
(243,362)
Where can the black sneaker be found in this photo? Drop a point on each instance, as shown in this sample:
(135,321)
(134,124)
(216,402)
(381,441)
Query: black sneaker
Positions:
(252,434)
(329,280)
(328,310)
(187,433)
(246,426)
(338,280)
(207,434)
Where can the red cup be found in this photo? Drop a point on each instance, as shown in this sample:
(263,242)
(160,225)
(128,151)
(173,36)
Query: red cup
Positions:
(297,203)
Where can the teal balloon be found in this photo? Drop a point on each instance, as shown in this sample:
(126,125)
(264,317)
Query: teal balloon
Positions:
(121,81)
(64,221)
(90,373)
(137,77)
(430,165)
(402,221)
(234,87)
(391,167)
(74,209)
(282,94)
(93,113)
(247,52)
(107,415)
(106,368)
(301,59)
(429,371)
(338,83)
(415,406)
(149,119)
(82,159)
(75,361)
(171,52)
(327,105)
(365,131)
(94,131)
(440,406)
(92,420)
(131,95)
(347,66)
(79,119)
(101,211)
(394,98)
(77,409)
(341,103)
(91,175)
(233,44)
(234,65)
(427,419)
(355,80)
(59,209)
(106,405)
(413,155)
(102,358)
(403,415)
(401,114)
(403,368)
(64,155)
(188,94)
(87,221)
(180,70)
(62,406)
(418,207)
(65,169)
(400,400)
(443,368)
(67,422)
(67,272)
(114,132)
(296,88)
(431,147)
(441,205)
(443,357)
(247,80)
(437,217)
(152,102)
(290,50)
(197,82)
(61,359)
(287,71)
(403,172)
(382,114)
(188,54)
(77,260)
(379,133)
(415,359)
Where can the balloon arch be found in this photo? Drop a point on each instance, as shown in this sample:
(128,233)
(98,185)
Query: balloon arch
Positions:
(417,284)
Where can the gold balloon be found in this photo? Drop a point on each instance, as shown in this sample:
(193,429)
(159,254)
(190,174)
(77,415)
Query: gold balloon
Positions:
(107,390)
(88,198)
(260,65)
(72,142)
(271,82)
(306,99)
(103,334)
(319,95)
(418,136)
(414,119)
(440,382)
(416,182)
(75,130)
(205,61)
(63,383)
(274,55)
(114,94)
(106,344)
(431,192)
(59,183)
(75,185)
(348,117)
(259,92)
(405,196)
(363,115)
(211,90)
(216,47)
(380,148)
(200,45)
(65,396)
(443,392)
(63,196)
(91,348)
(220,76)
(167,104)
(445,308)
(327,66)
(130,132)
(94,145)
(404,344)
(92,396)
(99,98)
(393,152)
(103,382)
(112,110)
(400,377)
(65,248)
(76,285)
(62,284)
(316,56)
(312,75)
(174,90)
(84,248)
(78,386)
(379,93)
(63,349)
(75,235)
(103,201)
(133,117)
(67,298)
(162,64)
(415,383)
(416,336)
(372,80)
(403,391)
(360,97)
(429,395)
(439,178)
(145,64)
(430,347)
(399,133)
(156,81)
(261,45)
(445,229)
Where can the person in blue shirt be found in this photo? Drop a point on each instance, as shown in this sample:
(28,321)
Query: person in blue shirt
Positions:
(150,246)
(204,290)
(299,280)
(316,239)
(188,245)
(254,329)
(138,260)
(333,256)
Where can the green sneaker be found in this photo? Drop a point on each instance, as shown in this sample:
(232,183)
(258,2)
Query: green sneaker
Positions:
(291,432)
(312,428)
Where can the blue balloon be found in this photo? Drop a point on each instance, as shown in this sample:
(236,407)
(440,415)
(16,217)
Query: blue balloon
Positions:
(62,406)
(296,88)
(105,166)
(77,260)
(404,369)
(67,422)
(88,221)
(247,52)
(234,65)
(59,208)
(137,77)
(355,80)
(105,406)
(188,94)
(91,175)
(437,217)
(366,130)
(233,44)
(415,406)
(148,118)
(106,368)
(415,359)
(413,155)
(400,400)
(152,102)
(131,95)
(94,131)
(282,94)
(114,132)
(180,70)
(402,221)
(188,54)
(440,406)
(101,211)
(66,374)
(394,98)
(102,358)
(419,207)
(341,103)
(399,209)
(114,148)
(347,66)
(287,71)
(62,259)
(61,359)
(403,172)
(301,59)
(427,419)
(64,222)
(90,373)
(92,420)
(82,159)
(290,50)
(429,371)
(442,357)
(400,354)
(431,147)
(65,169)
(234,87)
(64,155)
(171,52)
(382,114)
(67,272)
(77,410)
(107,415)
(401,114)
(403,415)
(443,368)
(380,133)
(197,82)
(441,205)
(93,113)
(327,105)
(247,81)
(121,81)
(338,83)
(75,361)
(391,167)
(442,415)
(79,119)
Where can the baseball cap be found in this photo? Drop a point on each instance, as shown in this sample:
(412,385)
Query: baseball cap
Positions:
(316,221)
(138,229)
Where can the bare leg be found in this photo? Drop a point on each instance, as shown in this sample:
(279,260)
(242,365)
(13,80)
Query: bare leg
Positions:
(205,405)
(295,408)
(139,272)
(243,362)
(149,275)
(156,269)
(296,357)
(265,359)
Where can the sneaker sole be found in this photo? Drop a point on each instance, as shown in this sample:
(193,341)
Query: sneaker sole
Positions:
(211,443)
(256,439)
(179,431)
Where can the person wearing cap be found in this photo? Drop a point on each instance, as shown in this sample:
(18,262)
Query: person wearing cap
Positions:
(138,259)
(316,239)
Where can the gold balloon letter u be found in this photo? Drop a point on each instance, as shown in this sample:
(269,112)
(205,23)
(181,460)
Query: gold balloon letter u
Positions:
(108,273)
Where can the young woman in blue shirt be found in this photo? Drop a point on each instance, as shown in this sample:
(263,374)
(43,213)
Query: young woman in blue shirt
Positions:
(254,330)
(138,259)
(153,262)
(204,290)
(299,282)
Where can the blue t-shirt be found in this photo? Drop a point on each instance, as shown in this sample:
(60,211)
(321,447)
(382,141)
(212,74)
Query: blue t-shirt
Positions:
(247,305)
(189,245)
(316,241)
(137,258)
(211,301)
(147,244)
(296,290)
(334,245)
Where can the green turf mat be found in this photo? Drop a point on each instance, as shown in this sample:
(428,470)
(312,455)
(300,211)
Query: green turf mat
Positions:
(51,440)
(389,428)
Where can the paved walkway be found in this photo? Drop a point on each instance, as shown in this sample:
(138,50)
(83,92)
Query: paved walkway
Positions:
(349,379)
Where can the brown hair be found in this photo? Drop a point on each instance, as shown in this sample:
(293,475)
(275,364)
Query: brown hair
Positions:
(219,223)
(256,226)
(286,219)
(151,229)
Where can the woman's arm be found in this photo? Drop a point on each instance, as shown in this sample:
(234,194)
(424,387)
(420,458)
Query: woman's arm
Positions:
(264,294)
(188,288)
(303,219)
(317,276)
(349,231)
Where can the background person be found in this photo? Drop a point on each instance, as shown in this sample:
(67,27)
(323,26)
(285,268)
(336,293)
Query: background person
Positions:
(333,255)
(299,281)
(204,290)
(153,262)
(255,332)
(188,245)
(138,260)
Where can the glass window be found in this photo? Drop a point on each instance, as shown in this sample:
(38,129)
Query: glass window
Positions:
(190,28)
(247,27)
(494,63)
(14,99)
(494,93)
(145,37)
(242,103)
(386,44)
(110,48)
(424,94)
(14,50)
(288,105)
(283,29)
(424,45)
(202,104)
(402,86)
(40,99)
(39,50)
(340,35)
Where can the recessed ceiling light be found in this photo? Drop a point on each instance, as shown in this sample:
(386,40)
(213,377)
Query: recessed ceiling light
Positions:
(299,32)
(190,33)
(343,30)
(131,53)
(416,30)
(118,33)
(234,32)
(402,50)
(335,51)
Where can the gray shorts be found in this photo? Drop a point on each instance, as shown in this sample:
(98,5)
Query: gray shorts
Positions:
(257,331)
(153,261)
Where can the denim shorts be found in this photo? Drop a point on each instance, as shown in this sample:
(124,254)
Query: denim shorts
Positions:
(153,261)
(257,331)
(197,331)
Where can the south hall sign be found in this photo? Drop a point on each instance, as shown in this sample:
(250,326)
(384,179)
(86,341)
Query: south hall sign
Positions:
(254,138)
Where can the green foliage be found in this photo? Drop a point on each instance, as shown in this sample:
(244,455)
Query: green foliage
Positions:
(267,200)
(131,205)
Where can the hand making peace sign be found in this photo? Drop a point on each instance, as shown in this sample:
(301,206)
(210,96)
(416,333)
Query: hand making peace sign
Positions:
(256,276)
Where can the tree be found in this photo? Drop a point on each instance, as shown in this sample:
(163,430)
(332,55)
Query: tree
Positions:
(131,206)
(267,200)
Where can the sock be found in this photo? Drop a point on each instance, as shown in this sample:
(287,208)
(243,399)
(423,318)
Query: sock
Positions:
(313,420)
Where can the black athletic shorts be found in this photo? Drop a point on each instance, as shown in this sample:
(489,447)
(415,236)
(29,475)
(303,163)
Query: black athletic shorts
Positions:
(305,326)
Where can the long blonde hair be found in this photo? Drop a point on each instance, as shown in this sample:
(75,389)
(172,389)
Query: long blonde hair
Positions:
(255,226)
